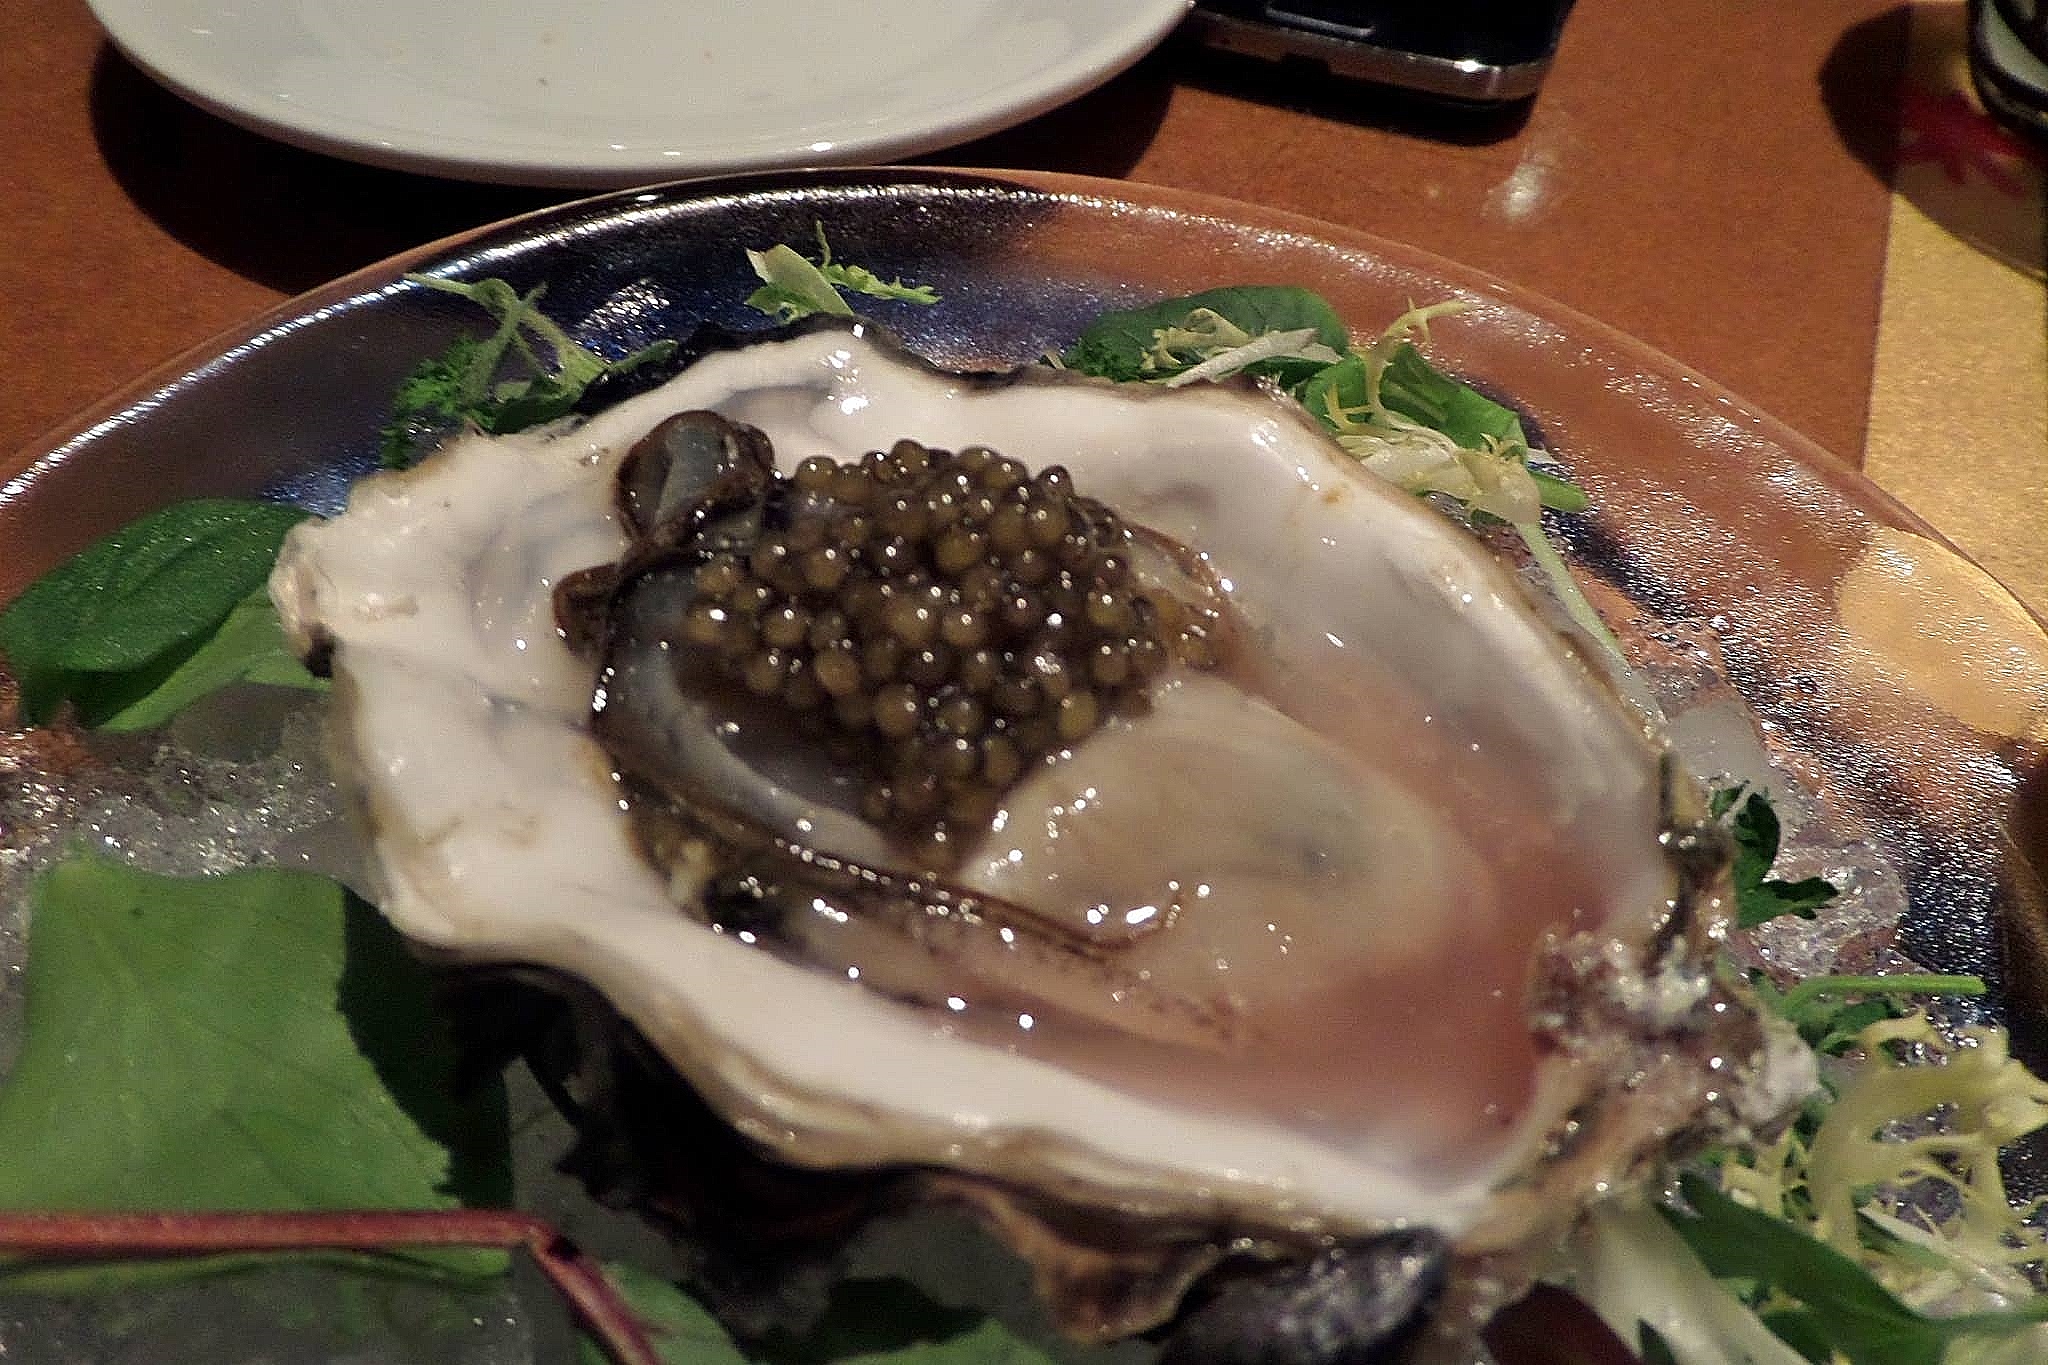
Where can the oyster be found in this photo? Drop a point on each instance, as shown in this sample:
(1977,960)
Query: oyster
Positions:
(1390,916)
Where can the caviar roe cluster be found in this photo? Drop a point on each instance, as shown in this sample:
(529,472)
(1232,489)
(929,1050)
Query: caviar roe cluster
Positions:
(947,619)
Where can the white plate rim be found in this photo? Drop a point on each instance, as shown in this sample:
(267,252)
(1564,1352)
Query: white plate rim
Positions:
(1121,32)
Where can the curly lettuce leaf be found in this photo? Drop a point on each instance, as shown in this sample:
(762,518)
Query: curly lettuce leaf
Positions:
(461,385)
(1402,418)
(793,286)
(1161,340)
(1879,1223)
(1429,433)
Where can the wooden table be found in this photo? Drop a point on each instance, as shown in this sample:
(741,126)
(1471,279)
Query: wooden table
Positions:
(1716,180)
(1687,180)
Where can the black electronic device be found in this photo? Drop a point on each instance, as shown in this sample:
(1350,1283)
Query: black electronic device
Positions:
(1472,51)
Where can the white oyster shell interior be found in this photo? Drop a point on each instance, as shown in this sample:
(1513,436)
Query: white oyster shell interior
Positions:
(1361,851)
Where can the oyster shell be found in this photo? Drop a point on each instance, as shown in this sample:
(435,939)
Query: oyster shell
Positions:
(1400,920)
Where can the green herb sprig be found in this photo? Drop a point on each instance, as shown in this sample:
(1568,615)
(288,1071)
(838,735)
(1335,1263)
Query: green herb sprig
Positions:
(1760,897)
(462,384)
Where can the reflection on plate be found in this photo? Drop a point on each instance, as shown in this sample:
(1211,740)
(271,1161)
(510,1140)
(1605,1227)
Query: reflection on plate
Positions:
(633,90)
(1783,598)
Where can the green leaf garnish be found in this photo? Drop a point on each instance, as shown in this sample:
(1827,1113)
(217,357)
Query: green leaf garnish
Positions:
(246,1042)
(1412,386)
(1843,1304)
(249,646)
(1429,433)
(1402,418)
(1161,340)
(114,622)
(462,384)
(1803,1331)
(793,286)
(874,1322)
(1760,897)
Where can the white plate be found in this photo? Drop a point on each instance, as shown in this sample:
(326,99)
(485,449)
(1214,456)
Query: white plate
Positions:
(629,91)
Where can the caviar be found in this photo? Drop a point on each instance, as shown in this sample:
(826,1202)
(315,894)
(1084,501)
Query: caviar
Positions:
(946,619)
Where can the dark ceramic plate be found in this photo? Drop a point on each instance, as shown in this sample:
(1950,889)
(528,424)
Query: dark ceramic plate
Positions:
(1898,691)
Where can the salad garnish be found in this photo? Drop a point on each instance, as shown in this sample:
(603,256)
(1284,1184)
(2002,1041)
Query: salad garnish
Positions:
(794,286)
(1400,416)
(1216,332)
(468,382)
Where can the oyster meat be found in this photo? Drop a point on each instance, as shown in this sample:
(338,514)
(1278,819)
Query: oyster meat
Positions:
(1374,909)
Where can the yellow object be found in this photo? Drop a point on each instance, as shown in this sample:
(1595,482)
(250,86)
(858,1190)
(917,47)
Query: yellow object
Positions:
(1959,396)
(1921,618)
